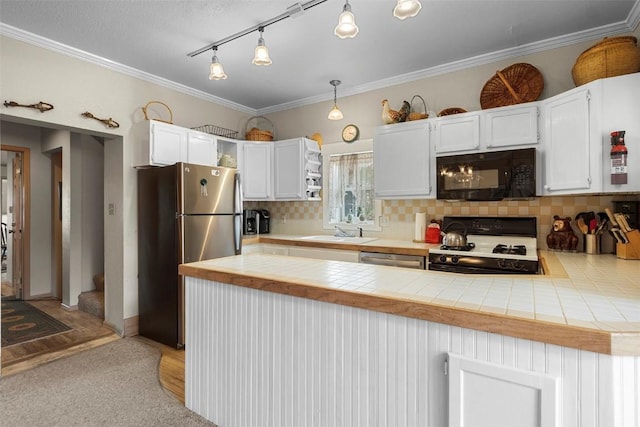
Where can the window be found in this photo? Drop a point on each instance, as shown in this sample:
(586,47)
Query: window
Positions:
(348,183)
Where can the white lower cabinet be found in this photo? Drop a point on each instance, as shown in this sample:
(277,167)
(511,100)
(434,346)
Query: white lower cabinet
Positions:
(402,161)
(326,254)
(275,249)
(488,394)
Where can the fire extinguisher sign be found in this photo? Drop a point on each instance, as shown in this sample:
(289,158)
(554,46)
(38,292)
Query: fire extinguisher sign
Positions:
(619,155)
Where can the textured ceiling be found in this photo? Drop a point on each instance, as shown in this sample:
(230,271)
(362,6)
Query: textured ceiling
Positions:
(155,36)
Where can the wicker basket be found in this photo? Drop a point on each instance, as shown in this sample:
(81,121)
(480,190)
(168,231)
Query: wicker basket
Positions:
(611,57)
(515,84)
(421,112)
(259,129)
(450,111)
(145,109)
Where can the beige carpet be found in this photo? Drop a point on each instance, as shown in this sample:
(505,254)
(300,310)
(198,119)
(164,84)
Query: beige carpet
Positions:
(112,385)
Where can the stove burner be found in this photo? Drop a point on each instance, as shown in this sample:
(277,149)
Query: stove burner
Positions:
(466,248)
(512,249)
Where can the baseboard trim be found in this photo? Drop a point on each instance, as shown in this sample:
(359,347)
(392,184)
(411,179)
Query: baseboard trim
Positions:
(131,328)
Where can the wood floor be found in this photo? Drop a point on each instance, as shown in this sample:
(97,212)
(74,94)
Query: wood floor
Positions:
(88,332)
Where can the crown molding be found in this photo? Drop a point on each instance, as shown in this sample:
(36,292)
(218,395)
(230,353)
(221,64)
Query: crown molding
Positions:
(541,46)
(632,21)
(33,39)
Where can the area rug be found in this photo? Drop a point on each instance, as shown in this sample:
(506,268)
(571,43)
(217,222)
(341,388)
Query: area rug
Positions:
(22,322)
(115,384)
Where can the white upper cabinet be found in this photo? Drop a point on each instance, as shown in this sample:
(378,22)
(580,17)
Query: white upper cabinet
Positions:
(621,111)
(256,172)
(161,144)
(571,144)
(281,170)
(511,126)
(297,169)
(402,161)
(201,148)
(460,132)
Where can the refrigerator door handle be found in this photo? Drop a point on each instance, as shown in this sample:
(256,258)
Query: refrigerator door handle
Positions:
(237,220)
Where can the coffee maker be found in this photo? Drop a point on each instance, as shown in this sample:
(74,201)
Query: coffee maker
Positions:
(256,221)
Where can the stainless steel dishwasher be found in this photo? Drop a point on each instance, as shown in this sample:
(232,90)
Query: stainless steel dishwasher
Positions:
(393,260)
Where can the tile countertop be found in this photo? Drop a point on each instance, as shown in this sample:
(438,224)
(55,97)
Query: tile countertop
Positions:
(378,245)
(589,302)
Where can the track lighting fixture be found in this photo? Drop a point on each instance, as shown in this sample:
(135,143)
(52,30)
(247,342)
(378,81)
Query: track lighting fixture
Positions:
(335,113)
(217,72)
(261,56)
(406,9)
(346,27)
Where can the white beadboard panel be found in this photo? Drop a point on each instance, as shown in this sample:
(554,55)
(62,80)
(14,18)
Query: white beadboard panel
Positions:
(255,358)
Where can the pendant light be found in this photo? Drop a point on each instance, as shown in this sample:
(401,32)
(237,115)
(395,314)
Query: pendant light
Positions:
(217,72)
(406,9)
(346,27)
(335,113)
(261,56)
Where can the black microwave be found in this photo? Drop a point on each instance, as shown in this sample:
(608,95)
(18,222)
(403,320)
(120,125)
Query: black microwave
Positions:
(494,175)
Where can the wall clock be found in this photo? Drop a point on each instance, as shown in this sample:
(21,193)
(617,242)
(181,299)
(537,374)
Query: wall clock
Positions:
(350,133)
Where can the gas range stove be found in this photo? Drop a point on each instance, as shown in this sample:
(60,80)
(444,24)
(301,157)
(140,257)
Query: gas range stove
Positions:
(495,245)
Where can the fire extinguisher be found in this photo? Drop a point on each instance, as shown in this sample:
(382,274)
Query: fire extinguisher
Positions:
(618,158)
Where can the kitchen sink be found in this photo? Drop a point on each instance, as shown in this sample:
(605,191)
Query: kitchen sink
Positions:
(337,239)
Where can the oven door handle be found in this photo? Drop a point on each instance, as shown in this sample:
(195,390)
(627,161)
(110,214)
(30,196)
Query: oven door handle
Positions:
(391,262)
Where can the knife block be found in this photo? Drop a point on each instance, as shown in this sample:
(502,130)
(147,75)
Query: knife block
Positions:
(629,250)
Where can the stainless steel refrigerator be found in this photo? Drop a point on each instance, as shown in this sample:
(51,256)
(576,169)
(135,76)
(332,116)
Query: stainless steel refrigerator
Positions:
(186,213)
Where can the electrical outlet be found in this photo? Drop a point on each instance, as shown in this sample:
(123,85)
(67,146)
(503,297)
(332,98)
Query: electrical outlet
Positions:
(112,208)
(283,219)
(384,221)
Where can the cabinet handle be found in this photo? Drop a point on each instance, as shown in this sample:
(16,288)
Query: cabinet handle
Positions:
(547,187)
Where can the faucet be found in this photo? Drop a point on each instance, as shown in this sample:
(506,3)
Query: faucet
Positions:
(342,233)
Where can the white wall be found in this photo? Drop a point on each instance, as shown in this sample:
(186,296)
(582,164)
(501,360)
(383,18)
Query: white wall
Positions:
(92,198)
(74,86)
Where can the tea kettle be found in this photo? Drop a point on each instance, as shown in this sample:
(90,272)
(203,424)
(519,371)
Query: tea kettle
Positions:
(454,239)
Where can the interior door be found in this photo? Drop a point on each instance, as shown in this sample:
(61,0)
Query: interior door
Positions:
(15,228)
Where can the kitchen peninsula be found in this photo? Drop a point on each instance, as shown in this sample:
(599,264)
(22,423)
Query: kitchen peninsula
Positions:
(274,340)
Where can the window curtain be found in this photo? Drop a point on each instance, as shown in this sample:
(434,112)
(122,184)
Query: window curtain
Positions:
(351,187)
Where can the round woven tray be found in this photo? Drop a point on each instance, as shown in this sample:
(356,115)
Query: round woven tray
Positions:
(611,57)
(515,84)
(450,111)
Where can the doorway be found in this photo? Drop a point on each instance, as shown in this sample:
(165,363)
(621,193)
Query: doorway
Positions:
(15,221)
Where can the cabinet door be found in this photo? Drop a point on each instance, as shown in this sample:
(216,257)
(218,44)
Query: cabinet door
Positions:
(486,394)
(201,149)
(256,172)
(288,171)
(401,161)
(511,126)
(567,145)
(327,254)
(168,144)
(457,133)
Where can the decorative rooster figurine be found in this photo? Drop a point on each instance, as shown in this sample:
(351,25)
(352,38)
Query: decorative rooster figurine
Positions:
(390,116)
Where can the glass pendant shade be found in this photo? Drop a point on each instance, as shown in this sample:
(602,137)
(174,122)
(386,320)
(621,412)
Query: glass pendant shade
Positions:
(217,72)
(335,113)
(406,9)
(261,55)
(346,27)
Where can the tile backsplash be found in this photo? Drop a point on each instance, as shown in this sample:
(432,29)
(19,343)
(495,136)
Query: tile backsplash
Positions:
(306,217)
